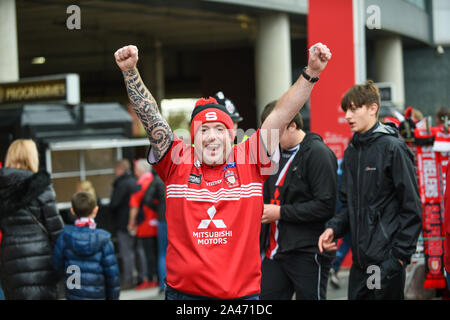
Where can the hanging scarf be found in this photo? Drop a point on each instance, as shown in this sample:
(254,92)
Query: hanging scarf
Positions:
(429,164)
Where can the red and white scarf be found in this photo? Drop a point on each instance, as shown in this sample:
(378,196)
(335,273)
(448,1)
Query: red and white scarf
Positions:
(431,188)
(85,222)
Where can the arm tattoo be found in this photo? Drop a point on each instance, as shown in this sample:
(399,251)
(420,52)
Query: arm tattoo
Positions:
(157,128)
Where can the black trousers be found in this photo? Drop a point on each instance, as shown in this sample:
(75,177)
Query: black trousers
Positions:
(304,273)
(146,250)
(385,281)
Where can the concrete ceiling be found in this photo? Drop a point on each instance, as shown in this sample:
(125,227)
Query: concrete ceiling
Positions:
(109,25)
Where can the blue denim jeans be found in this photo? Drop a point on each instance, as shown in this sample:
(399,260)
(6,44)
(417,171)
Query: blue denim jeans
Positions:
(2,296)
(162,249)
(172,294)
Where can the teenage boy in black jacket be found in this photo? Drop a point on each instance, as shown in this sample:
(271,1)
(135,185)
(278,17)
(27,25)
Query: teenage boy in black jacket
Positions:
(380,201)
(298,199)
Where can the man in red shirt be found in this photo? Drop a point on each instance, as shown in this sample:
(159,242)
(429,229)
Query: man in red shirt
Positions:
(214,189)
(146,230)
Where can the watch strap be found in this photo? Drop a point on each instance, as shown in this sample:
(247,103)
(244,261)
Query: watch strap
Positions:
(308,77)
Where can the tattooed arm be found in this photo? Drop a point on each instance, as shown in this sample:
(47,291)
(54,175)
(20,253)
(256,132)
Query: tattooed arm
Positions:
(157,128)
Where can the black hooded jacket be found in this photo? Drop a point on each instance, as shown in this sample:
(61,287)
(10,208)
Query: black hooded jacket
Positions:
(26,268)
(123,187)
(380,198)
(308,198)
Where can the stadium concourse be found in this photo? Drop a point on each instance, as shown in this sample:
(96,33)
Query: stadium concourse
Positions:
(155,294)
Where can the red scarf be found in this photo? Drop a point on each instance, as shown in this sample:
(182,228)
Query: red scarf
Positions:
(429,164)
(85,222)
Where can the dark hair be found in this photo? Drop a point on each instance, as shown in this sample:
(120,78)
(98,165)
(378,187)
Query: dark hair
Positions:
(361,94)
(441,113)
(269,108)
(123,164)
(83,203)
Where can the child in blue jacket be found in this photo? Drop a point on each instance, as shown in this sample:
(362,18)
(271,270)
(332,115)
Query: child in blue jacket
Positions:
(86,255)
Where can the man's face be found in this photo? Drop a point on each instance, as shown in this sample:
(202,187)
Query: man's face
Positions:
(235,127)
(118,171)
(212,143)
(288,138)
(137,172)
(361,119)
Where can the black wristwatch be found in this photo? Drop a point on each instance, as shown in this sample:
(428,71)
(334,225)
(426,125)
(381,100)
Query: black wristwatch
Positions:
(308,77)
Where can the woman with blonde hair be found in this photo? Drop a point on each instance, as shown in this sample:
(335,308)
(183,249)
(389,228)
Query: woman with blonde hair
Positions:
(30,223)
(87,186)
(103,219)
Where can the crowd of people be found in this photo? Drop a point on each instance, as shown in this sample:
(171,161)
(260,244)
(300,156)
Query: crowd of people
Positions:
(138,207)
(215,219)
(39,249)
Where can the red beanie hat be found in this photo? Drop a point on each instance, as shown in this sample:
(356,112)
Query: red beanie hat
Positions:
(208,110)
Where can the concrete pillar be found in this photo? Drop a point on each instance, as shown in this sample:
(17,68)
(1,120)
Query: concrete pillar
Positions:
(389,66)
(359,39)
(9,56)
(273,72)
(159,73)
(153,71)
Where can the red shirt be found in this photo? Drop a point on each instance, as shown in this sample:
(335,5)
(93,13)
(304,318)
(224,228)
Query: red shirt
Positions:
(214,219)
(149,227)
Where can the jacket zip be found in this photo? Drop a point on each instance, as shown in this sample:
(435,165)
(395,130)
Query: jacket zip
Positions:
(358,205)
(381,225)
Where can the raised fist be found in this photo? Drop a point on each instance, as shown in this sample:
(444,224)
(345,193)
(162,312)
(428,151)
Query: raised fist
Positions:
(319,55)
(127,57)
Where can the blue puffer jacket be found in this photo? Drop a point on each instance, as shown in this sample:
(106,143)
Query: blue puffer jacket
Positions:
(92,251)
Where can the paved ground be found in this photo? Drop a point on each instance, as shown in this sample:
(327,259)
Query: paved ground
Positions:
(147,294)
(154,294)
(341,292)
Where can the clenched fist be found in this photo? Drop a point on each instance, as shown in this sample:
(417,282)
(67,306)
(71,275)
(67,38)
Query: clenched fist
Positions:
(127,57)
(319,55)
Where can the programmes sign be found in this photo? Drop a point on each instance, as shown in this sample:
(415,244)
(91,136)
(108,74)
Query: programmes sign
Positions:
(61,88)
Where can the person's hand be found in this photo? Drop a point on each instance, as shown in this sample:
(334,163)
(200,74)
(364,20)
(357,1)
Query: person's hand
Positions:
(132,227)
(326,241)
(127,57)
(271,213)
(319,55)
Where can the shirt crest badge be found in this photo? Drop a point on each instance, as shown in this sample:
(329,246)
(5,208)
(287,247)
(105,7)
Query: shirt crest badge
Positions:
(231,178)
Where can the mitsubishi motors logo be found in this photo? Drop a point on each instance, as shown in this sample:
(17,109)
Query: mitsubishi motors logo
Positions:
(204,224)
(204,237)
